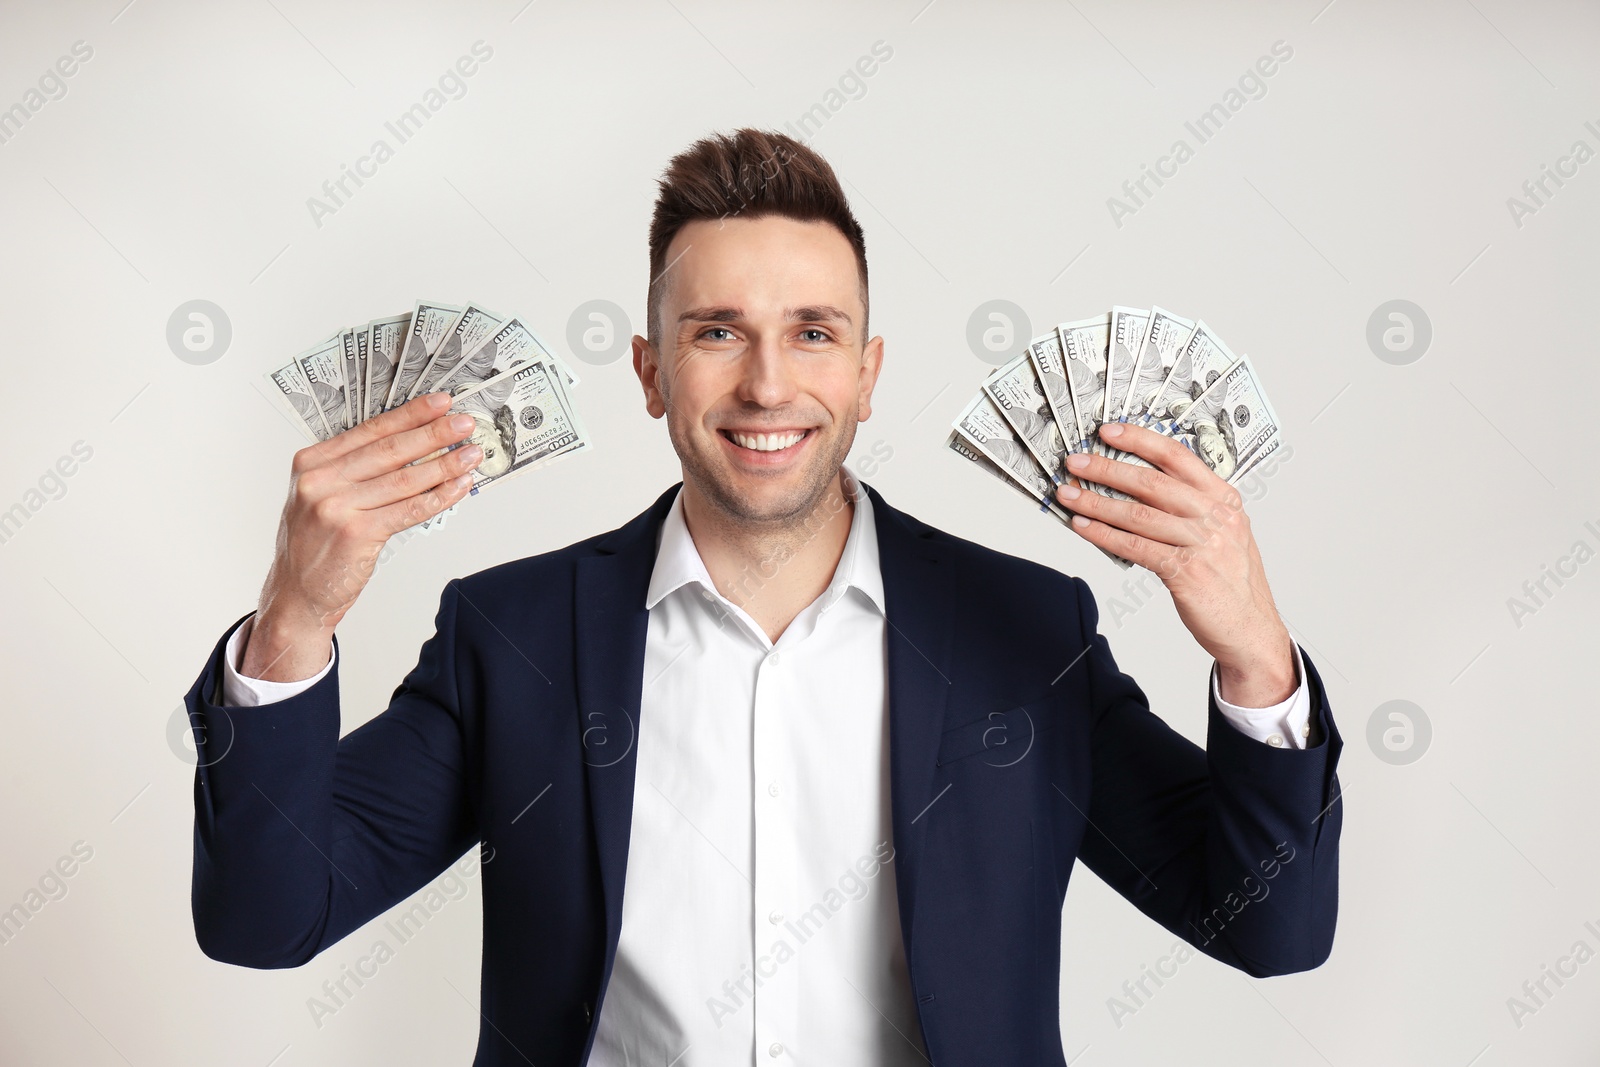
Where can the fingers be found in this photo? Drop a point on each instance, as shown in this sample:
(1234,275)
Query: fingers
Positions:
(1152,555)
(1131,515)
(404,514)
(411,414)
(1167,454)
(394,450)
(408,481)
(1149,484)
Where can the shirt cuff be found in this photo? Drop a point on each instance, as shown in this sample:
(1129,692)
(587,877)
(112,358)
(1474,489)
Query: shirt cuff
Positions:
(241,692)
(1284,725)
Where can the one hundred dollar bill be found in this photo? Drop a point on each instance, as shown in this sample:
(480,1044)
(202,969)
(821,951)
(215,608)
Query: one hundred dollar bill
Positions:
(350,366)
(290,384)
(383,350)
(1231,421)
(1164,338)
(470,329)
(1201,362)
(982,425)
(506,348)
(1019,395)
(324,374)
(1128,327)
(1083,348)
(1051,367)
(521,422)
(428,324)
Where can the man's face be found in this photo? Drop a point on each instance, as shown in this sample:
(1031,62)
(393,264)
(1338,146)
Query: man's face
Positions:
(763,371)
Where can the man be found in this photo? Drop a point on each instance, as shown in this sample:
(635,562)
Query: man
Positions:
(774,772)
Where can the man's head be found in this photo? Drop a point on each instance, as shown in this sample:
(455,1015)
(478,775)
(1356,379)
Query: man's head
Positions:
(757,325)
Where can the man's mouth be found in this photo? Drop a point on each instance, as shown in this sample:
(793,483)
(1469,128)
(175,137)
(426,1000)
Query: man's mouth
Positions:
(766,442)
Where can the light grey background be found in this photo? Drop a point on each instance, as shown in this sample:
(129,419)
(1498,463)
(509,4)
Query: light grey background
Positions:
(980,157)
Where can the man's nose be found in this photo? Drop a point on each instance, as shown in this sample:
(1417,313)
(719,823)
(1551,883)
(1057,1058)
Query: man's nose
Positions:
(769,373)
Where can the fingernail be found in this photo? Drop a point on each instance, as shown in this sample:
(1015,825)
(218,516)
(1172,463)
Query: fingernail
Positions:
(471,455)
(1077,461)
(461,423)
(1069,492)
(438,400)
(1111,429)
(1079,521)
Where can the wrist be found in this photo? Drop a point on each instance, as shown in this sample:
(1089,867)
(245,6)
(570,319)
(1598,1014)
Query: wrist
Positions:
(1264,677)
(281,648)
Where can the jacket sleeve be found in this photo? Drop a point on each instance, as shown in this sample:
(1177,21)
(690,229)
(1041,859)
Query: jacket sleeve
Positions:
(1234,847)
(301,837)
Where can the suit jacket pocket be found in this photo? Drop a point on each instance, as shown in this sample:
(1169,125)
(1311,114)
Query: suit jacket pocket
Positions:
(1002,737)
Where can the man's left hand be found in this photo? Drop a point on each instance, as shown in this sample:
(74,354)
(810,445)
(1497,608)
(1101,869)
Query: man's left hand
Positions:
(1189,527)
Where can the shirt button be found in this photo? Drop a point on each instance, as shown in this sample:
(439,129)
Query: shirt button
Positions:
(1276,741)
(1305,731)
(775,1050)
(773,659)
(773,788)
(775,918)
(707,594)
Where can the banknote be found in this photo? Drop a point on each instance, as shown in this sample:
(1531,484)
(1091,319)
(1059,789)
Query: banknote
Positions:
(383,349)
(1149,368)
(428,325)
(350,369)
(987,430)
(1083,348)
(1048,363)
(469,330)
(290,382)
(1165,334)
(1020,396)
(324,374)
(1231,421)
(1201,361)
(508,346)
(521,422)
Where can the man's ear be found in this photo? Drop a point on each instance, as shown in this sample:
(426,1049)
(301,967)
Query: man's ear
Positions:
(647,365)
(871,364)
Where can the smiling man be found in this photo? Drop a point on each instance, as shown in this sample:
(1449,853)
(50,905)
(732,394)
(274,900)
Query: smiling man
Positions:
(773,773)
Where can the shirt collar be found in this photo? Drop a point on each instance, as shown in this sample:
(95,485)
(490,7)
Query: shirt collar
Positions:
(678,561)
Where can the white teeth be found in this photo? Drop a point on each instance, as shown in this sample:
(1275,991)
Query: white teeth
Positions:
(765,442)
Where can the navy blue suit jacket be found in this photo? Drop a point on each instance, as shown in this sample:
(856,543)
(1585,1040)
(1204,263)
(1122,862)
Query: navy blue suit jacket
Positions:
(1016,748)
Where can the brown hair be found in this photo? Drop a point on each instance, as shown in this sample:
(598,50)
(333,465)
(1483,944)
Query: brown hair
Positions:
(746,174)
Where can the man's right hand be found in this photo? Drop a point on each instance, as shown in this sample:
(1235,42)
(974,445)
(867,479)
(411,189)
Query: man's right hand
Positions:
(347,496)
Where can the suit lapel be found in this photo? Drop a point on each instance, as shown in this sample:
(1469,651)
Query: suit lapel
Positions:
(916,596)
(610,623)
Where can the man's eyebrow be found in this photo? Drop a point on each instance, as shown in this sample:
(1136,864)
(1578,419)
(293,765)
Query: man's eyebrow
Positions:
(818,313)
(712,314)
(808,313)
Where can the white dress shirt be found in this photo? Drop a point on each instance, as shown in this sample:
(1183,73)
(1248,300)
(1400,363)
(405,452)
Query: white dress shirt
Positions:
(759,916)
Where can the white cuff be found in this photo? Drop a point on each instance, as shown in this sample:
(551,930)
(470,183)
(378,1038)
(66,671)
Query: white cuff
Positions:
(241,692)
(1284,725)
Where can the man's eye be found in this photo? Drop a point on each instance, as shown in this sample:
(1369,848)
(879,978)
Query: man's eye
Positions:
(723,330)
(814,335)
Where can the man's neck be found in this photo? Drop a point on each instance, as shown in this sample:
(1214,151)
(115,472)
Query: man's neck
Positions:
(771,572)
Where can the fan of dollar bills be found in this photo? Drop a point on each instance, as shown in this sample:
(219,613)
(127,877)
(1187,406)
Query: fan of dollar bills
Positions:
(495,367)
(1148,367)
